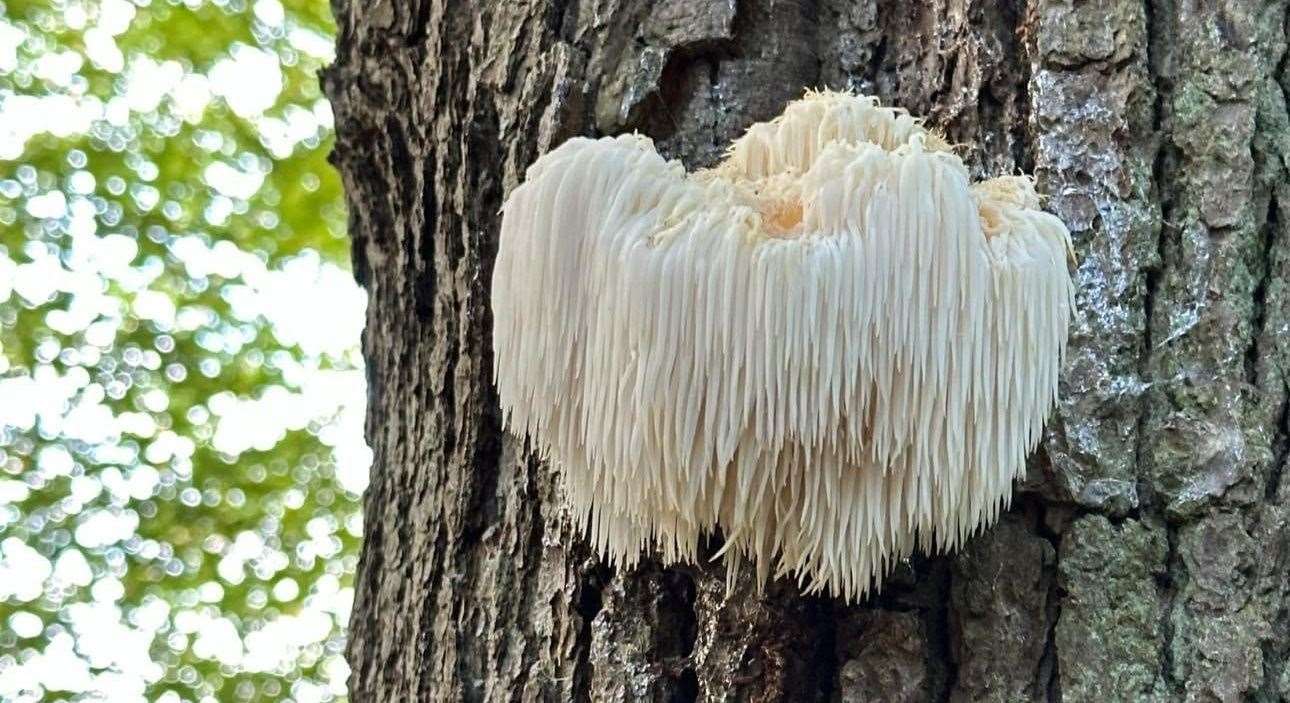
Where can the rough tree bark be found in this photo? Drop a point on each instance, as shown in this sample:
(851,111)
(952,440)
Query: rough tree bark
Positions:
(1146,555)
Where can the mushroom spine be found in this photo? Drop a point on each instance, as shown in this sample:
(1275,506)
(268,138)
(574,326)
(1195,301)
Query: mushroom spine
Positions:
(833,347)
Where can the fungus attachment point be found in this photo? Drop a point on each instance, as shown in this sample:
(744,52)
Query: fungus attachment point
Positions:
(833,347)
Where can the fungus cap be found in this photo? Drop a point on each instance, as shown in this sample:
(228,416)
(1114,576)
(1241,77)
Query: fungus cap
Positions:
(833,346)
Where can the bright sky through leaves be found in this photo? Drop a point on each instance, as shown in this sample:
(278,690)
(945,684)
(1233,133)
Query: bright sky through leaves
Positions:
(181,393)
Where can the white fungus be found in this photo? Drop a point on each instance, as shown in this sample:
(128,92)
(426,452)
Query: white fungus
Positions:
(832,347)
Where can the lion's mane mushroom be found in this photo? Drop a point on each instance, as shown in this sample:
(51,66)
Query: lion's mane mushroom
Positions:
(833,346)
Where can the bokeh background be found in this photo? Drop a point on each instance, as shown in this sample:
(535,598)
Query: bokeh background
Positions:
(181,394)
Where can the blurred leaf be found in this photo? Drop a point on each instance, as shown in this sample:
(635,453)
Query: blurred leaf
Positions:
(180,387)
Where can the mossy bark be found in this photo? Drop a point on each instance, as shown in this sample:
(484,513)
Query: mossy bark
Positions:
(1146,556)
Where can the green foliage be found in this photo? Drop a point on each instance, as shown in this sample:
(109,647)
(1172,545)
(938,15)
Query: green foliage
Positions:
(180,449)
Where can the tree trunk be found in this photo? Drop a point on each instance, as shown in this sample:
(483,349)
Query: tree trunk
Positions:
(1146,554)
